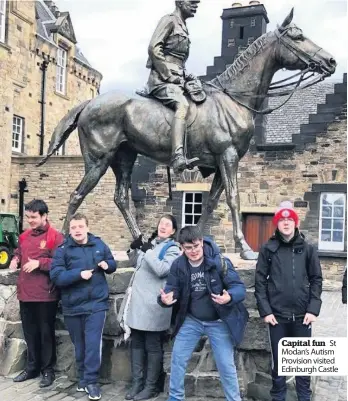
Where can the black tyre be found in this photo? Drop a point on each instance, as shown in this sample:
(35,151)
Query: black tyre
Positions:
(5,257)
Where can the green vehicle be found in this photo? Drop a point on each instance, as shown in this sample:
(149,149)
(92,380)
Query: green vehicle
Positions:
(9,233)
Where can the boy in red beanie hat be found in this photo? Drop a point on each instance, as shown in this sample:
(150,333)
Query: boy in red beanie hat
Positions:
(288,285)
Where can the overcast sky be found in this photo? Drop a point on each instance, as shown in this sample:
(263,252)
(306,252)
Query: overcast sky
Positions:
(114,34)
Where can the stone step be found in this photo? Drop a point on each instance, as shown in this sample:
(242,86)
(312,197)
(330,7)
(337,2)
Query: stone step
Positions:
(336,98)
(341,88)
(321,118)
(313,128)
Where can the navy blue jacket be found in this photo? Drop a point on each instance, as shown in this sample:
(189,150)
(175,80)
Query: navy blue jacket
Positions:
(234,314)
(81,296)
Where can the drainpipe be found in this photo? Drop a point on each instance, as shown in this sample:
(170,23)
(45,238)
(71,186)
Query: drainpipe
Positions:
(22,188)
(43,68)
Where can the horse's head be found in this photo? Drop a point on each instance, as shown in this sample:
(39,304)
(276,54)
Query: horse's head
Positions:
(296,52)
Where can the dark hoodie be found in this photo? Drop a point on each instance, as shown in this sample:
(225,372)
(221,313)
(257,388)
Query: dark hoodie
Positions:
(288,279)
(179,281)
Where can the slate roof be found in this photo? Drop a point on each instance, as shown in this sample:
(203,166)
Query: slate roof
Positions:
(44,15)
(281,124)
(79,55)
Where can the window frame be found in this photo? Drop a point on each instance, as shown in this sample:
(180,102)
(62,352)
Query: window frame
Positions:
(231,42)
(3,20)
(331,245)
(193,203)
(20,139)
(62,57)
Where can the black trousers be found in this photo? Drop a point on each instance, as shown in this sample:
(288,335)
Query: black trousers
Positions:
(288,329)
(38,322)
(149,341)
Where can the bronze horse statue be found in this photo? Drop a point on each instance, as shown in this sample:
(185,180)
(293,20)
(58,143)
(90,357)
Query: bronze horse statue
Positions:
(113,129)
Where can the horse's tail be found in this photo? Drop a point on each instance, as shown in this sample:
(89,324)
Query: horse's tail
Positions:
(62,131)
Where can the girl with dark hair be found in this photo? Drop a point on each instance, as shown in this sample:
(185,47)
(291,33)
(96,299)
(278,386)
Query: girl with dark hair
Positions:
(147,320)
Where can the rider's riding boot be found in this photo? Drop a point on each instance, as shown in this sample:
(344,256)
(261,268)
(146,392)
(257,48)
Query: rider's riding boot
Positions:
(179,162)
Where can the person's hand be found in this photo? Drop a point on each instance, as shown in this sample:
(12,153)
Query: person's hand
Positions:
(309,318)
(223,299)
(167,299)
(14,264)
(137,243)
(86,274)
(174,79)
(270,319)
(147,246)
(190,77)
(103,265)
(31,265)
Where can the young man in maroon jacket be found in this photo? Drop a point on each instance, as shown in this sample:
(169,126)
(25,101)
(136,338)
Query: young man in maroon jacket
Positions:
(38,299)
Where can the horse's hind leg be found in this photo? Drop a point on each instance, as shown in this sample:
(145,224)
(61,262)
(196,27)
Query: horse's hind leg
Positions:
(122,166)
(228,165)
(94,171)
(214,196)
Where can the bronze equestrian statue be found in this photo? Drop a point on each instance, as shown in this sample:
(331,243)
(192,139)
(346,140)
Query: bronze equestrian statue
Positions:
(113,129)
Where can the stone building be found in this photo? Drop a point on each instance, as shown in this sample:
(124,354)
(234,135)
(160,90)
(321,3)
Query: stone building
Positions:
(43,74)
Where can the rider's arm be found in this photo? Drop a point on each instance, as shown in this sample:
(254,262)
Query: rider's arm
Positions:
(161,34)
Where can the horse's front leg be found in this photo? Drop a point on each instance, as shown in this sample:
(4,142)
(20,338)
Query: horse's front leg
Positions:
(214,196)
(228,165)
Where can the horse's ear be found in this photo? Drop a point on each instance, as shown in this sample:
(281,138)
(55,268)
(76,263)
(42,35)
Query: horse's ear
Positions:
(288,19)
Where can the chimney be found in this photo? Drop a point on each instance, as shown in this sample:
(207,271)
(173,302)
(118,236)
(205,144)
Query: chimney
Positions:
(254,3)
(235,5)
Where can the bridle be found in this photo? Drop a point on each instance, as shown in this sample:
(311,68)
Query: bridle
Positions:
(312,66)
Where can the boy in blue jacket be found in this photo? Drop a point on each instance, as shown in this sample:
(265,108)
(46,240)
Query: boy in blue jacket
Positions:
(78,269)
(209,295)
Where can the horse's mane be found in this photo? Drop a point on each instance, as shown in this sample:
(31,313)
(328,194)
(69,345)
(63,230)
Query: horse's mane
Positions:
(242,61)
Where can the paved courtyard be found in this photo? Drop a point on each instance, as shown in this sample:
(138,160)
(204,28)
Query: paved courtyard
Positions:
(332,322)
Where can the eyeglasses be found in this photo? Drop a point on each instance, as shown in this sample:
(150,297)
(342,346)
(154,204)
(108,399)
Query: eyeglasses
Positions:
(192,248)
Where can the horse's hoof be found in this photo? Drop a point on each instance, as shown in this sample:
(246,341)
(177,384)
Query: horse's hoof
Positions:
(249,255)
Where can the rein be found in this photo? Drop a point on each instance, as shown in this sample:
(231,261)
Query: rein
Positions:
(311,66)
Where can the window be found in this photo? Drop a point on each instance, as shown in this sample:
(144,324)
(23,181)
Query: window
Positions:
(17,133)
(2,20)
(253,22)
(250,40)
(92,93)
(241,32)
(231,43)
(191,208)
(332,221)
(232,23)
(61,71)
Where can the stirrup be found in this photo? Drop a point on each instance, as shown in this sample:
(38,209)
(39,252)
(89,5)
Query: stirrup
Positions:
(190,162)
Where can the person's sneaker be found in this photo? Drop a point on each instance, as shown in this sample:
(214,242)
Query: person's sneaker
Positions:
(25,375)
(47,379)
(93,391)
(80,388)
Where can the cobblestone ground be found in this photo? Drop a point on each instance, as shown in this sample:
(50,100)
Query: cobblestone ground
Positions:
(332,322)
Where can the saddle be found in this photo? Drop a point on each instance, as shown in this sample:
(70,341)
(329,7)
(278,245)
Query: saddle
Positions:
(194,92)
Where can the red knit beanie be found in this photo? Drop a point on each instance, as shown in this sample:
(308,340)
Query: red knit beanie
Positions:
(285,210)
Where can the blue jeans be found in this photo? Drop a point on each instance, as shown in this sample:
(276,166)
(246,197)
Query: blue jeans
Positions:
(221,343)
